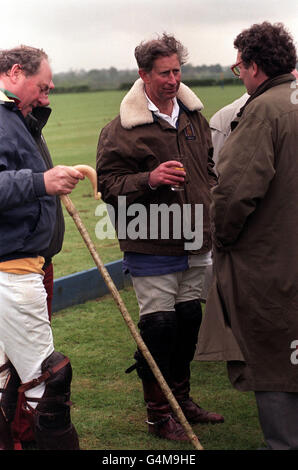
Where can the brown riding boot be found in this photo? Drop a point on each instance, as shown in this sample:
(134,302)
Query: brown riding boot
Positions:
(193,412)
(161,421)
(6,441)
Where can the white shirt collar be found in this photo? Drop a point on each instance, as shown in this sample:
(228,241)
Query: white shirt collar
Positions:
(170,119)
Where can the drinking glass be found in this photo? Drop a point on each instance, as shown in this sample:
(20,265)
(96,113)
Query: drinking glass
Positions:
(178,186)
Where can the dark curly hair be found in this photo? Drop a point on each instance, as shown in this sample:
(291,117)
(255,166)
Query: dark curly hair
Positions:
(270,46)
(147,52)
(29,58)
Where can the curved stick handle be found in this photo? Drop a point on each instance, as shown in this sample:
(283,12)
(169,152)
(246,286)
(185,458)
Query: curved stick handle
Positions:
(91,174)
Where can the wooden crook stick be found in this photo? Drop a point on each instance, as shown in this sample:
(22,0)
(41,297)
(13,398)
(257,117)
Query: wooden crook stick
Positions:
(89,171)
(91,174)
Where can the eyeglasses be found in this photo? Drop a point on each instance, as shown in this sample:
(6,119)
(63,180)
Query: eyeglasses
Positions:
(44,89)
(235,69)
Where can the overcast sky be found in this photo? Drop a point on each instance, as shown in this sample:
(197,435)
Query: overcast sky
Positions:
(86,34)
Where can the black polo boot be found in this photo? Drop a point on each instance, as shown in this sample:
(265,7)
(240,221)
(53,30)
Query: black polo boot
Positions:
(159,331)
(189,317)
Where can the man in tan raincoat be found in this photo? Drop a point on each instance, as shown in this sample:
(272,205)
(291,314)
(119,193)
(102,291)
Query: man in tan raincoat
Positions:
(251,316)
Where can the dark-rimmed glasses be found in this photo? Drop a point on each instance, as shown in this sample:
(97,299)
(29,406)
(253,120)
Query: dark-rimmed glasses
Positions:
(235,69)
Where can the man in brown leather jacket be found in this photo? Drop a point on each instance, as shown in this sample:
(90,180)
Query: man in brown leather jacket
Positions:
(155,160)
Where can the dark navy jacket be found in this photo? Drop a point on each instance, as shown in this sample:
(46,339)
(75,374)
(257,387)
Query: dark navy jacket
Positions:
(27,213)
(36,120)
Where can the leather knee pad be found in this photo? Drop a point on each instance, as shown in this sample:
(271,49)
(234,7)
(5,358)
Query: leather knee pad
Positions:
(53,409)
(9,392)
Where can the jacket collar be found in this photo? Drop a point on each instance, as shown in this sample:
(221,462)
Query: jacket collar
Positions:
(266,85)
(134,106)
(8,97)
(37,119)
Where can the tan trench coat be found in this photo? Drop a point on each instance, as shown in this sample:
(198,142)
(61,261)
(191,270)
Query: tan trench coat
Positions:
(251,317)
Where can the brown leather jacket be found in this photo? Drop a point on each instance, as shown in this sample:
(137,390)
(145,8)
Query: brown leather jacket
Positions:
(134,144)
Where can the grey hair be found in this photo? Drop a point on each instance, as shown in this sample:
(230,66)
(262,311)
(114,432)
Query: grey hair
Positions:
(29,58)
(148,51)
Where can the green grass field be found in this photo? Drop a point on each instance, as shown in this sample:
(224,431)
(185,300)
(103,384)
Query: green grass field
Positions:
(108,410)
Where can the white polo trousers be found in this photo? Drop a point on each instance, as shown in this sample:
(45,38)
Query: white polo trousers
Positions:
(25,332)
(161,293)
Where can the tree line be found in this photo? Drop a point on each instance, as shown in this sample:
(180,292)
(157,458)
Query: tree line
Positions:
(112,78)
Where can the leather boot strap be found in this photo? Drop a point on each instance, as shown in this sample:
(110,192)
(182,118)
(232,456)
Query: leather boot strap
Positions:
(158,423)
(43,377)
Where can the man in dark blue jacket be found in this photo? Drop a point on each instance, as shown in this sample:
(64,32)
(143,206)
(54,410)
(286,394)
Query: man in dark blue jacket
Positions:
(27,219)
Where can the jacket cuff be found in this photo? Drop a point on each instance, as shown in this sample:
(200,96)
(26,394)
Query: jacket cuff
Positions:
(39,185)
(143,181)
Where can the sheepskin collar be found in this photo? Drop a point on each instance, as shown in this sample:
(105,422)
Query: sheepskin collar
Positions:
(134,106)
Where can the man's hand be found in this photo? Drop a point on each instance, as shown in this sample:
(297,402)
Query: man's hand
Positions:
(171,172)
(61,179)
